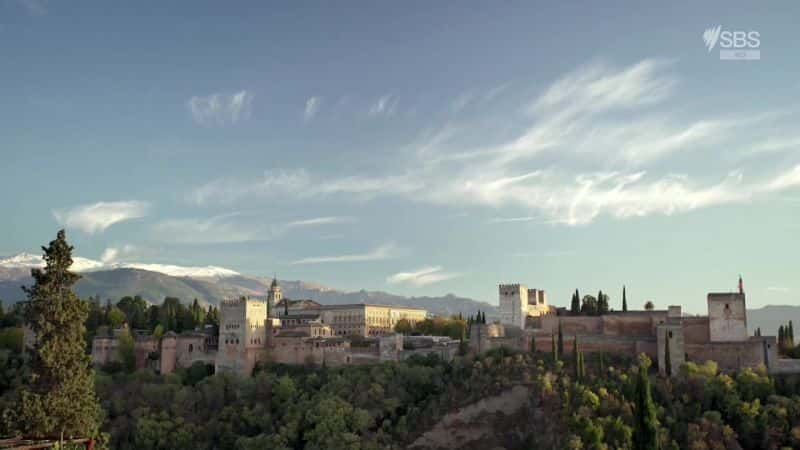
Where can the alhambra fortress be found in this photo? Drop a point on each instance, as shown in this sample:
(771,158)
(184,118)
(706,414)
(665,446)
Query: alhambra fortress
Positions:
(305,332)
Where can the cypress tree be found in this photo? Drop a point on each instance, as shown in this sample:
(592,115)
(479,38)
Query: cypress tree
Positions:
(624,300)
(791,334)
(645,433)
(781,336)
(576,355)
(602,364)
(560,339)
(533,344)
(582,362)
(555,349)
(59,401)
(575,307)
(667,357)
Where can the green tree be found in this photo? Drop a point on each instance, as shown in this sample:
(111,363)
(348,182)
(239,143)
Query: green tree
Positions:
(126,350)
(589,306)
(667,356)
(624,300)
(645,434)
(60,399)
(602,303)
(555,348)
(575,307)
(115,317)
(135,309)
(403,326)
(560,339)
(649,306)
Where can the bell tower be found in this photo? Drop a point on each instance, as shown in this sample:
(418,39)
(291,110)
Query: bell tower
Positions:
(274,297)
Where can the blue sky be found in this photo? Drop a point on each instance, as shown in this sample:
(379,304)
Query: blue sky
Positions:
(415,147)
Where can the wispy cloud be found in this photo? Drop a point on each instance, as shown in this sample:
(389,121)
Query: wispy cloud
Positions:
(318,221)
(422,277)
(386,251)
(601,140)
(99,216)
(385,105)
(513,219)
(226,228)
(779,289)
(34,7)
(298,183)
(312,106)
(221,109)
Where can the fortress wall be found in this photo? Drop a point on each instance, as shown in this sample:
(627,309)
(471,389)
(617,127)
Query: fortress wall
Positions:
(695,330)
(632,324)
(573,324)
(728,355)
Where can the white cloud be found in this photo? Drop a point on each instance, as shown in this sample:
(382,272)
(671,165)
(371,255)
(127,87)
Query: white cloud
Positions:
(221,109)
(386,251)
(318,221)
(384,105)
(112,254)
(312,107)
(298,183)
(422,277)
(99,216)
(226,228)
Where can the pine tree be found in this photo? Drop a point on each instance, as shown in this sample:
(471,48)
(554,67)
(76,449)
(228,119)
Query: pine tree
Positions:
(60,400)
(645,434)
(624,300)
(560,339)
(575,307)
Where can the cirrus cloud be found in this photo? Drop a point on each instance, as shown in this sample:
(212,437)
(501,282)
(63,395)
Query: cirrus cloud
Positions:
(95,217)
(422,277)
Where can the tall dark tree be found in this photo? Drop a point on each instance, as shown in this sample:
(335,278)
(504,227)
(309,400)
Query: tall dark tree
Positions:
(60,400)
(602,303)
(645,433)
(533,344)
(560,339)
(667,356)
(555,348)
(791,334)
(576,356)
(624,300)
(575,306)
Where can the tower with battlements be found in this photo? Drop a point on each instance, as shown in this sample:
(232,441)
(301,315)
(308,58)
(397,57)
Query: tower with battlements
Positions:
(242,334)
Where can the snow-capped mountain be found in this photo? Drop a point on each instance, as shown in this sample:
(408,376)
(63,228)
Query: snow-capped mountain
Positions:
(28,260)
(80,264)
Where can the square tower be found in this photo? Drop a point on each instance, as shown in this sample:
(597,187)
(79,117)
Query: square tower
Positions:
(242,334)
(513,300)
(727,317)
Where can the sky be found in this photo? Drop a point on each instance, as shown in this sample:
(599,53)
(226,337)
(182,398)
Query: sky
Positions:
(420,148)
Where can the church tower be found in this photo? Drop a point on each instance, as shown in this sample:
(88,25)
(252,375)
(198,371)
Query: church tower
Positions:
(274,297)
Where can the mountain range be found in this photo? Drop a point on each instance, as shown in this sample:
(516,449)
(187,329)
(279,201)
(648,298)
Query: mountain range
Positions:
(209,284)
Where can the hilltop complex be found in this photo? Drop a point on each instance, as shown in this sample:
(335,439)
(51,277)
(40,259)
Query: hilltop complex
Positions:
(720,336)
(283,331)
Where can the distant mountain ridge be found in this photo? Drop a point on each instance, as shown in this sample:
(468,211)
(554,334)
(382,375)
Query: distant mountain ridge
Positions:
(153,286)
